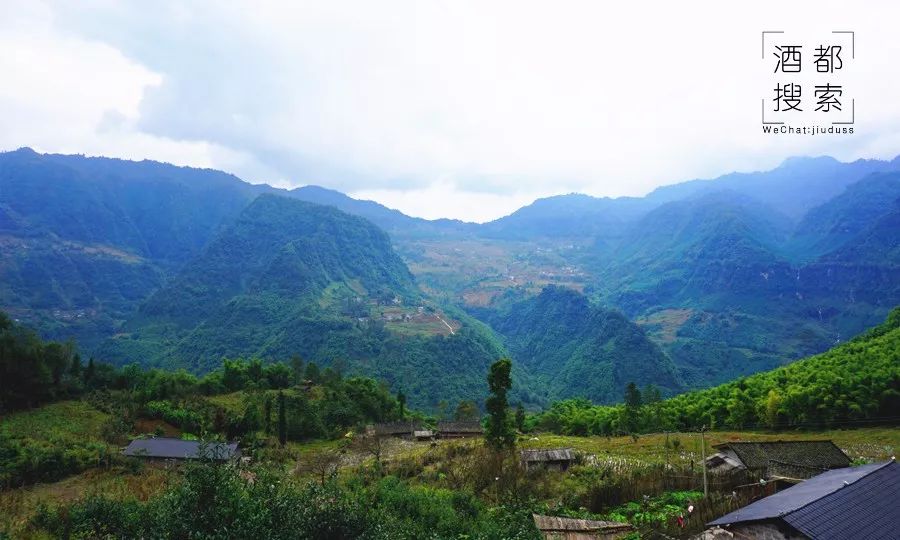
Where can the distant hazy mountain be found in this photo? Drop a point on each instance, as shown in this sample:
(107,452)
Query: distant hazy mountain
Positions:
(719,243)
(573,216)
(393,221)
(840,220)
(792,189)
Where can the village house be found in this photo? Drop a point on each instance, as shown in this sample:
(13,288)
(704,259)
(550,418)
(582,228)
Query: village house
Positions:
(394,429)
(786,462)
(559,528)
(165,448)
(554,460)
(841,504)
(459,430)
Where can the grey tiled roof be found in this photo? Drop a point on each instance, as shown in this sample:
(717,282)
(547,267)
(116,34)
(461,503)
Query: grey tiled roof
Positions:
(853,502)
(822,455)
(459,427)
(397,428)
(558,454)
(168,448)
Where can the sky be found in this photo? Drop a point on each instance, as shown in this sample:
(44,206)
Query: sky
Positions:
(456,109)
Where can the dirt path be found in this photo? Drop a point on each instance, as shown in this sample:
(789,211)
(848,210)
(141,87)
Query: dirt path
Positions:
(452,333)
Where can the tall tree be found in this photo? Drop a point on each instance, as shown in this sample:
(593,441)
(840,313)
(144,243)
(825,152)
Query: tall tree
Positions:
(312,372)
(282,419)
(652,399)
(773,408)
(75,368)
(520,417)
(633,401)
(297,368)
(90,371)
(499,433)
(401,399)
(267,415)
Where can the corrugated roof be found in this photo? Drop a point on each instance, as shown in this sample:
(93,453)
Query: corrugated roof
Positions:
(168,448)
(867,508)
(823,455)
(558,454)
(804,498)
(553,523)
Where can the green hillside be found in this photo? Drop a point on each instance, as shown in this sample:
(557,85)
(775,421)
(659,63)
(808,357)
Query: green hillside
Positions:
(575,348)
(292,278)
(84,240)
(856,383)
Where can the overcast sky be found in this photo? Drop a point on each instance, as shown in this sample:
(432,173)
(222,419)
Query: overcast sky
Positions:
(440,109)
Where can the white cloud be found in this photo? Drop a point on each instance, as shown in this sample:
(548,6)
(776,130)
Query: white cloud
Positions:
(459,109)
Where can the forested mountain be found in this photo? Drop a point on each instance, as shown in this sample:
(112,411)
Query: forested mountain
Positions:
(180,266)
(83,241)
(575,348)
(293,278)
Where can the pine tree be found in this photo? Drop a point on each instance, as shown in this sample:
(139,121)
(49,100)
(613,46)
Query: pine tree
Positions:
(75,368)
(297,369)
(401,399)
(633,401)
(90,371)
(282,420)
(499,433)
(267,414)
(520,418)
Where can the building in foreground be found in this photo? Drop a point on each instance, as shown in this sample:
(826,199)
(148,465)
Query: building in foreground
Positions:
(164,448)
(560,528)
(841,504)
(790,461)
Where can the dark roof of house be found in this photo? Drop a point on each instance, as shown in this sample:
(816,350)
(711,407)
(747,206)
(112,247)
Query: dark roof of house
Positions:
(553,523)
(397,428)
(853,502)
(460,427)
(164,447)
(558,454)
(821,455)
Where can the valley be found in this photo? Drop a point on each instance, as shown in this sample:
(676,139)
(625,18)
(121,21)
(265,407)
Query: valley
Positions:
(723,280)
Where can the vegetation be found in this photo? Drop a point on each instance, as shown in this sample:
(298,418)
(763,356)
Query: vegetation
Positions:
(398,490)
(219,502)
(231,402)
(213,282)
(177,267)
(499,432)
(576,348)
(853,384)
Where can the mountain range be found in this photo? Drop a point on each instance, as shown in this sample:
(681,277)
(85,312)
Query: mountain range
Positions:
(692,285)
